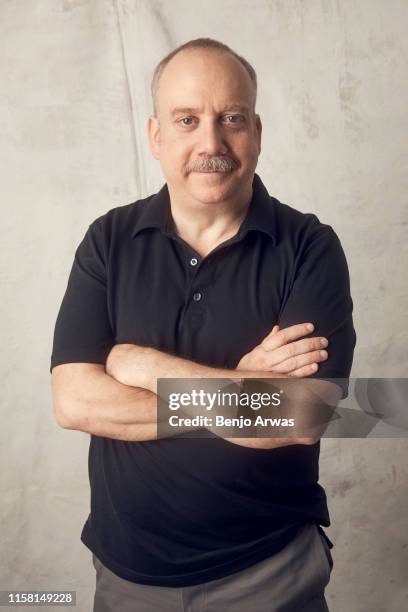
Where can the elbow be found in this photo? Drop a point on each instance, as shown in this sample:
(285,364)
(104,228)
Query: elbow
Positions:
(63,420)
(63,404)
(75,392)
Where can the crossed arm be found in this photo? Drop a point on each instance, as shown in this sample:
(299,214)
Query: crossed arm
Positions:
(119,400)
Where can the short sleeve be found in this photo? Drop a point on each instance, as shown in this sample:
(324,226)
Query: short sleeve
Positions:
(83,332)
(321,294)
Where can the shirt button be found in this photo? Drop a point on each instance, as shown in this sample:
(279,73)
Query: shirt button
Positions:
(197,297)
(193,261)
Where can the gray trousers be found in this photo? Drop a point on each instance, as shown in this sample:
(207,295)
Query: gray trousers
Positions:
(292,580)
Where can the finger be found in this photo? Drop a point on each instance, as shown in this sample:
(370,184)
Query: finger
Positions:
(291,349)
(293,363)
(305,371)
(305,351)
(289,334)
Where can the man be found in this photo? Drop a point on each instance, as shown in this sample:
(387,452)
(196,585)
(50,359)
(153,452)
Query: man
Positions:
(211,277)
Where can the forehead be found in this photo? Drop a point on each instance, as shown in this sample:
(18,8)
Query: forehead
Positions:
(202,77)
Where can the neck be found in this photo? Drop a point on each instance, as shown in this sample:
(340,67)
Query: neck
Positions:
(208,224)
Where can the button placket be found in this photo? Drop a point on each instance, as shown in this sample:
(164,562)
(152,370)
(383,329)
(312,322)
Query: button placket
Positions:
(199,277)
(196,295)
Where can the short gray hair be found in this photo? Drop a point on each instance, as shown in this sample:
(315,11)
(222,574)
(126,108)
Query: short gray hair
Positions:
(198,43)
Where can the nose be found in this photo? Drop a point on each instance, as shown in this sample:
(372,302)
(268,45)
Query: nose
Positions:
(211,138)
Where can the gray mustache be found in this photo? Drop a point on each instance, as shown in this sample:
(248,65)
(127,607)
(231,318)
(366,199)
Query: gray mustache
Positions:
(213,164)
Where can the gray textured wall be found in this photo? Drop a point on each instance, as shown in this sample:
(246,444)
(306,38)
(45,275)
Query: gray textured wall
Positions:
(75,98)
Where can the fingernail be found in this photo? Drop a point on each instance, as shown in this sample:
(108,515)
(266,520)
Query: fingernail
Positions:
(310,326)
(324,342)
(323,353)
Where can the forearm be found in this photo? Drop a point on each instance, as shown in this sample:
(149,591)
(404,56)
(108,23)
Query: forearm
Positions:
(157,364)
(168,366)
(141,367)
(87,399)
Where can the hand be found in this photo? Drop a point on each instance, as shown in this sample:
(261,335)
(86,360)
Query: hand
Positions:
(281,351)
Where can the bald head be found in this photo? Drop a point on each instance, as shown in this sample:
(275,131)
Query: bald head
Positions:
(203,45)
(195,74)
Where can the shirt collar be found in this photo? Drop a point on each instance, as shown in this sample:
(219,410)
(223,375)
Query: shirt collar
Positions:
(260,216)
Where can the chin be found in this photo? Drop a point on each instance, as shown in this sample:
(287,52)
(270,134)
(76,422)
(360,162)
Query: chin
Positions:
(213,186)
(213,193)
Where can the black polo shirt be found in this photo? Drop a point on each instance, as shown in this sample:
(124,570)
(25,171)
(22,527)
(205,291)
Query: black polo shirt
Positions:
(185,510)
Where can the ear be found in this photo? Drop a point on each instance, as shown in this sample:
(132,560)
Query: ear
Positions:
(153,130)
(258,127)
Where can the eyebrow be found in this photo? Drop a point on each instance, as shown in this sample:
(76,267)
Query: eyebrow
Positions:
(190,110)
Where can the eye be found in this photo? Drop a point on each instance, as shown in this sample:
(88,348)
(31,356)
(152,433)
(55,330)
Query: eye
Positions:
(184,119)
(234,118)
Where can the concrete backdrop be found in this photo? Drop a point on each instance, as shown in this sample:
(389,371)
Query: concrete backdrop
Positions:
(74,102)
